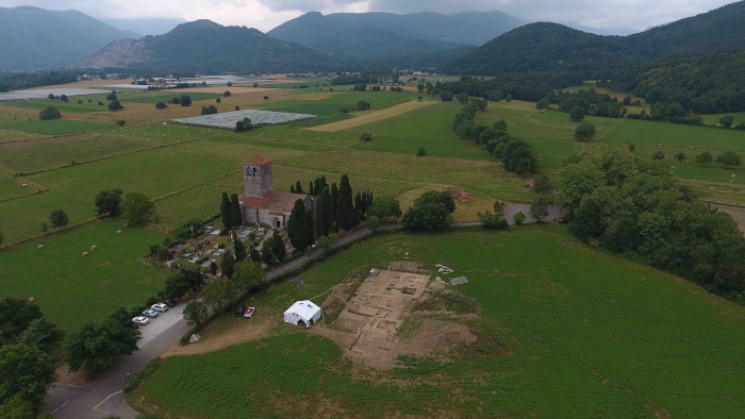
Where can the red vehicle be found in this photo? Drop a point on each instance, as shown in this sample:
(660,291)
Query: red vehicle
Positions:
(249,312)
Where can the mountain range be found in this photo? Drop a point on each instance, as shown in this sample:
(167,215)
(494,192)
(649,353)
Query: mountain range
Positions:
(32,38)
(553,47)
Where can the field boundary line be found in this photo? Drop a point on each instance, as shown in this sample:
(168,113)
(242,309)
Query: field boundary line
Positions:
(619,122)
(50,234)
(188,188)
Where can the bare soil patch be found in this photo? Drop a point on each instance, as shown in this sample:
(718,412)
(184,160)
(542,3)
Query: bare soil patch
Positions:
(245,330)
(370,117)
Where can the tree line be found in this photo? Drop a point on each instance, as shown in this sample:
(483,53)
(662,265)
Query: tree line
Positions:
(622,204)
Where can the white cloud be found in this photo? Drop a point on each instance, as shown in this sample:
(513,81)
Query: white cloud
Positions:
(266,14)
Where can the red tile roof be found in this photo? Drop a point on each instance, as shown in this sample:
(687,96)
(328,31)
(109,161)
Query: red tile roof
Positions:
(256,160)
(277,201)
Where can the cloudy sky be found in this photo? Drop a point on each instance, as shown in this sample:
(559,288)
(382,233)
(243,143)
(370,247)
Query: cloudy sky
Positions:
(266,14)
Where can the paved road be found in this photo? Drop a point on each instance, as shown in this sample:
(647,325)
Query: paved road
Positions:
(104,397)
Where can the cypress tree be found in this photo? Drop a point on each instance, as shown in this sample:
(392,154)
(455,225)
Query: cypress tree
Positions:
(326,211)
(240,249)
(298,187)
(278,246)
(318,227)
(235,211)
(311,190)
(311,228)
(345,213)
(227,220)
(292,188)
(297,226)
(335,202)
(227,264)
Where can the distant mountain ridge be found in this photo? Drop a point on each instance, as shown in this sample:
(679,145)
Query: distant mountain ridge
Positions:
(385,34)
(205,46)
(32,38)
(554,47)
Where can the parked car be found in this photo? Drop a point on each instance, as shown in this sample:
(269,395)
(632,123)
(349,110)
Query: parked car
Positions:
(162,307)
(150,313)
(141,320)
(260,231)
(170,303)
(239,311)
(249,312)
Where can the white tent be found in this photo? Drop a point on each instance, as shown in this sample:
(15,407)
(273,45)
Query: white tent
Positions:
(305,311)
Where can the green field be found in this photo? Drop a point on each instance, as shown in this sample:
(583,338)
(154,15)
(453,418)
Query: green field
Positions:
(591,335)
(11,187)
(195,97)
(71,289)
(72,106)
(57,127)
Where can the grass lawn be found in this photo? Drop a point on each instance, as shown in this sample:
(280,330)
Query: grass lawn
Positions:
(591,334)
(11,187)
(72,106)
(71,289)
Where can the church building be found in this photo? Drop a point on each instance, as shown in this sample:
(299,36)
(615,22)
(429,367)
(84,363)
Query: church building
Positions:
(262,205)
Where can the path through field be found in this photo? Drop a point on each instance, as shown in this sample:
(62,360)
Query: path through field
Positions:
(370,117)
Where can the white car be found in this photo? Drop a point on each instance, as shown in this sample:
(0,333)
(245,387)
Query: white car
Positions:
(141,320)
(150,313)
(162,307)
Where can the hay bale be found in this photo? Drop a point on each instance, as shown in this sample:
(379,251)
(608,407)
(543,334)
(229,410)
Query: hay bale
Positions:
(31,300)
(94,247)
(41,246)
(125,225)
(85,254)
(118,232)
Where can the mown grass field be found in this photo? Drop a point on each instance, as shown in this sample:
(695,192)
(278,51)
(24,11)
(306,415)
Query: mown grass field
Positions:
(71,289)
(57,127)
(159,97)
(11,187)
(590,335)
(72,106)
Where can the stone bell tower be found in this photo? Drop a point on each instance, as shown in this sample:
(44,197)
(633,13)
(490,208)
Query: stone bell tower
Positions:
(257,176)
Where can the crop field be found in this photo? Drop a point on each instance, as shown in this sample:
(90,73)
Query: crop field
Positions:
(229,119)
(43,93)
(626,339)
(371,117)
(72,289)
(167,98)
(65,107)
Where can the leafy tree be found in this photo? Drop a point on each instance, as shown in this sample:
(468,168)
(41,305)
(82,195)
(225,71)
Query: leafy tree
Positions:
(297,227)
(58,218)
(15,316)
(584,132)
(518,218)
(112,96)
(255,255)
(421,152)
(680,156)
(43,335)
(195,312)
(729,159)
(179,284)
(243,125)
(542,104)
(227,264)
(518,156)
(462,97)
(248,275)
(209,110)
(115,105)
(219,293)
(365,137)
(385,207)
(542,184)
(500,127)
(704,158)
(267,254)
(727,121)
(577,114)
(446,97)
(95,349)
(189,230)
(50,113)
(185,100)
(363,106)
(217,100)
(227,218)
(25,373)
(16,408)
(373,223)
(108,203)
(236,215)
(227,93)
(137,208)
(430,212)
(346,217)
(539,209)
(160,105)
(278,246)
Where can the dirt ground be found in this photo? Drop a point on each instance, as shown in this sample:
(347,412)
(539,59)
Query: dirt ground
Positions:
(372,319)
(245,330)
(370,117)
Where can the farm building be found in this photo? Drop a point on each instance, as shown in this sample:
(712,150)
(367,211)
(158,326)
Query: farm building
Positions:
(303,311)
(261,204)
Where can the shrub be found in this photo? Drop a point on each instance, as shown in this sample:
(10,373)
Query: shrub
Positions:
(185,101)
(160,105)
(114,105)
(518,218)
(658,155)
(365,137)
(50,113)
(363,106)
(421,152)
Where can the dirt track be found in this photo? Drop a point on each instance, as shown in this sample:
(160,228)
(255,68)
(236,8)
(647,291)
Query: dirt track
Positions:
(370,117)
